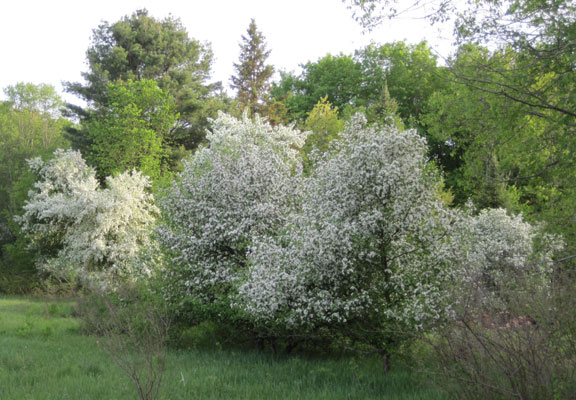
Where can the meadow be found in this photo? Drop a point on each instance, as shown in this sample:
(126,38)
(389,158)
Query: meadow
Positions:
(45,354)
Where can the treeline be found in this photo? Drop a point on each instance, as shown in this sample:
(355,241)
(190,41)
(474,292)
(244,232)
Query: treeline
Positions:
(149,101)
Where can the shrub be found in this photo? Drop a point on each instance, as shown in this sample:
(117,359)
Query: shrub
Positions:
(512,332)
(132,327)
(496,252)
(83,232)
(526,352)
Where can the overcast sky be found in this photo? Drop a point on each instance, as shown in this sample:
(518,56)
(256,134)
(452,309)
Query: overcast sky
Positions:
(44,41)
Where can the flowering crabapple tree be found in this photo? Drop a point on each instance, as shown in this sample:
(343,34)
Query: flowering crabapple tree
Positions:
(82,231)
(499,254)
(239,187)
(367,252)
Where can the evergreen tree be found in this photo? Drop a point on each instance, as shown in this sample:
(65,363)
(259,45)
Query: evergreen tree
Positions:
(252,74)
(385,111)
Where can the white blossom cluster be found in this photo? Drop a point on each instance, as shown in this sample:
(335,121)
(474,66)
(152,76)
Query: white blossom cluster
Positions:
(237,188)
(91,233)
(496,252)
(364,241)
(370,240)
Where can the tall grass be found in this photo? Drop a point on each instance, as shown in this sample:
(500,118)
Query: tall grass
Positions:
(44,355)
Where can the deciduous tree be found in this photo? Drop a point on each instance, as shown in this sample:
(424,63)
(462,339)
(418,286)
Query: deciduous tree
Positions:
(132,130)
(367,252)
(81,231)
(338,78)
(236,189)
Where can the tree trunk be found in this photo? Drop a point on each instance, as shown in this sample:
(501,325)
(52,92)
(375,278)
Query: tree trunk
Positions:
(385,355)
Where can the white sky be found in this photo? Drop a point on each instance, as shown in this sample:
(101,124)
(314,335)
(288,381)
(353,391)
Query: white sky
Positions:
(44,41)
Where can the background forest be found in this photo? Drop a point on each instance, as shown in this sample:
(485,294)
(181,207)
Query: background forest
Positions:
(378,202)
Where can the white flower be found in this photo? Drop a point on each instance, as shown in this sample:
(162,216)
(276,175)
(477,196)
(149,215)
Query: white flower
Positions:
(96,233)
(368,236)
(241,186)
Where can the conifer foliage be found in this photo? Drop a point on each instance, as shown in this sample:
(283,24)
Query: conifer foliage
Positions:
(252,74)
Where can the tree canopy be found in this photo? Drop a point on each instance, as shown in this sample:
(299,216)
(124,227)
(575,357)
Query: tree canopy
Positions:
(133,130)
(141,47)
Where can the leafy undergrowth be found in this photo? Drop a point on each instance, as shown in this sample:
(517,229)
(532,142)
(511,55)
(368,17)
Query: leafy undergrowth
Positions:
(44,355)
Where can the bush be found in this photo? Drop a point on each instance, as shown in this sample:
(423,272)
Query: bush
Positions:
(84,233)
(512,332)
(132,327)
(366,253)
(237,188)
(527,352)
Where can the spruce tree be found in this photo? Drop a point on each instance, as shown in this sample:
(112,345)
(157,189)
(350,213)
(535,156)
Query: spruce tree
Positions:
(252,74)
(385,111)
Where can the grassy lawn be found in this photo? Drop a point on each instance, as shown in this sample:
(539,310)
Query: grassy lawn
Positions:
(44,355)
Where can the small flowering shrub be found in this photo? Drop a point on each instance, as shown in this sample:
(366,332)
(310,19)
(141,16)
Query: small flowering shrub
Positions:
(236,189)
(368,248)
(81,230)
(513,334)
(498,254)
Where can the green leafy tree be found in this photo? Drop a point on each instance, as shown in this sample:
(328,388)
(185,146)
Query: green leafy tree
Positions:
(409,72)
(352,84)
(30,125)
(132,130)
(501,152)
(324,125)
(338,78)
(542,33)
(142,47)
(252,79)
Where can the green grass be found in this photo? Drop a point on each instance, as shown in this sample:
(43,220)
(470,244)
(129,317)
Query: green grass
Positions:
(44,355)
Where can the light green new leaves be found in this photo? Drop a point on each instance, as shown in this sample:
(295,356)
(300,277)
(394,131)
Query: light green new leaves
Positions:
(131,131)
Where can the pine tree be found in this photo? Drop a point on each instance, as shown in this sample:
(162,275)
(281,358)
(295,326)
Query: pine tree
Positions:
(252,74)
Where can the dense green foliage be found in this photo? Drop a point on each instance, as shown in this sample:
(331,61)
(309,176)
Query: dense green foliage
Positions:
(142,47)
(499,151)
(354,83)
(133,130)
(337,78)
